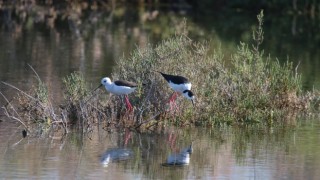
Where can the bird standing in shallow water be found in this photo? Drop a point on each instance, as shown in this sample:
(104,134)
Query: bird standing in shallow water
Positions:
(120,87)
(179,84)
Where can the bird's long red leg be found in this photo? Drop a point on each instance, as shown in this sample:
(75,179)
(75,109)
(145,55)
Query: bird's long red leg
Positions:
(174,96)
(172,100)
(129,106)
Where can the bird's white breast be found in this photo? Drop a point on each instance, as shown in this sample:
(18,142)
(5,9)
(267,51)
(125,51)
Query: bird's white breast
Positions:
(119,90)
(180,87)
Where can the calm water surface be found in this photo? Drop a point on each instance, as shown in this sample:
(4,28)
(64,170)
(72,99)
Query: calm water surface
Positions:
(284,153)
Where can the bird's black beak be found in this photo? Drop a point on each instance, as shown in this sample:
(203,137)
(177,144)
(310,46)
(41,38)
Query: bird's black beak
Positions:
(192,102)
(97,87)
(93,94)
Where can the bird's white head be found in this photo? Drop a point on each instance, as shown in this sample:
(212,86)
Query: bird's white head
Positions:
(105,81)
(189,95)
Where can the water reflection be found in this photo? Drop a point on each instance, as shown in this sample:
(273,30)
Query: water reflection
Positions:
(115,155)
(279,153)
(179,159)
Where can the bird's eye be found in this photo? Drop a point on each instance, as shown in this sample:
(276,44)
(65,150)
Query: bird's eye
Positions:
(105,81)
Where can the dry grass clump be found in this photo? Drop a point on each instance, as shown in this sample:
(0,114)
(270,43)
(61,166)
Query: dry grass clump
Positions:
(35,110)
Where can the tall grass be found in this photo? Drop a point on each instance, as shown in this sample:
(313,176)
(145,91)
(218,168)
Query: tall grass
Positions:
(253,89)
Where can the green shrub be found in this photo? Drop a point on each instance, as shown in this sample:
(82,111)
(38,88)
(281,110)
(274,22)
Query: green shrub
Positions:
(75,87)
(252,89)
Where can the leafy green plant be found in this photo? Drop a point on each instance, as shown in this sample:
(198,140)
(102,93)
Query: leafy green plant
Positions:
(75,87)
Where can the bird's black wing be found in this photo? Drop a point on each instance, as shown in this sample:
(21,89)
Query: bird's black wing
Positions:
(125,83)
(174,79)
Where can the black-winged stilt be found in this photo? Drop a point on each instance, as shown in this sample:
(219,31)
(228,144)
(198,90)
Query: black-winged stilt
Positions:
(120,87)
(179,84)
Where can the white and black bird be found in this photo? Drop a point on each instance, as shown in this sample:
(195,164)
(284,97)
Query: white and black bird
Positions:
(120,87)
(180,85)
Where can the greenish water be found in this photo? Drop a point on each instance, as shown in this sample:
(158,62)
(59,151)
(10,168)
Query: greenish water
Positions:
(93,47)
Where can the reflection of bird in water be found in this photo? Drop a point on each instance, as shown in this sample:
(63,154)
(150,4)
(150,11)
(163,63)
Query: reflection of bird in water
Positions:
(114,155)
(183,158)
(178,159)
(127,136)
(188,149)
(172,140)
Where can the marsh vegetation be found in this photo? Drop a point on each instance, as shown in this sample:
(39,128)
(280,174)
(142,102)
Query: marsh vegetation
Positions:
(253,89)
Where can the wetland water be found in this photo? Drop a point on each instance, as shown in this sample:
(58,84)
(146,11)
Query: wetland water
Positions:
(93,48)
(284,153)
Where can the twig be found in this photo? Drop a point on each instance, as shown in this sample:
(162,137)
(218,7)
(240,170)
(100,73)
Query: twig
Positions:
(49,102)
(35,73)
(296,69)
(7,113)
(15,144)
(29,96)
(12,86)
(150,119)
(98,110)
(64,122)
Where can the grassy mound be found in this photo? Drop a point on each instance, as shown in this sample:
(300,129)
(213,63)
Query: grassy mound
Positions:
(252,89)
